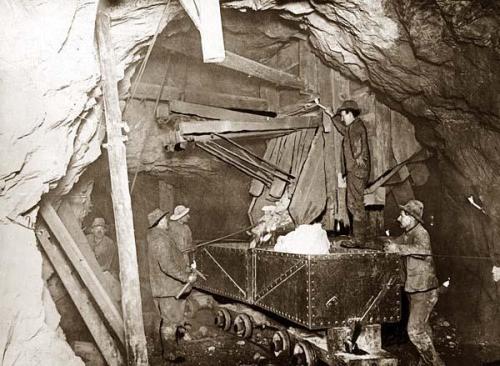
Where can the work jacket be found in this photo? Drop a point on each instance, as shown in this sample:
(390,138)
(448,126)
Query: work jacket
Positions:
(183,238)
(106,253)
(354,146)
(415,245)
(168,270)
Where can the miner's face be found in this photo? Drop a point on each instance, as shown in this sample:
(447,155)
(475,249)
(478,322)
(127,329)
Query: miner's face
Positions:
(184,219)
(346,117)
(98,231)
(405,220)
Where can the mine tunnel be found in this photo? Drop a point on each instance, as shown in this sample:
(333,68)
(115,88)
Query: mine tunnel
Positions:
(331,167)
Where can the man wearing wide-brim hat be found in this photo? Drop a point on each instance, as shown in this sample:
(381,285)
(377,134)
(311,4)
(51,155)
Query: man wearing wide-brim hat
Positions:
(105,249)
(180,230)
(168,273)
(421,282)
(355,165)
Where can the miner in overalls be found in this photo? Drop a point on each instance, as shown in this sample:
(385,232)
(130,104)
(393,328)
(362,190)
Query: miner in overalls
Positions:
(168,273)
(421,282)
(356,165)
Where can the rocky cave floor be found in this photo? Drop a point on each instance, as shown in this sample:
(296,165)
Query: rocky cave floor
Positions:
(212,346)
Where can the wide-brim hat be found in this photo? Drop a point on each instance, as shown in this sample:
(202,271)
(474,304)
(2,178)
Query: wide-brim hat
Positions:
(155,216)
(179,211)
(350,105)
(415,209)
(98,221)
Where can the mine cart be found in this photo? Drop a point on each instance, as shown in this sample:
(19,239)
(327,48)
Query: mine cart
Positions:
(337,300)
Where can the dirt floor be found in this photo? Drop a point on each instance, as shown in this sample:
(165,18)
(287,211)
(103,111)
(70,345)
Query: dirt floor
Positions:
(212,346)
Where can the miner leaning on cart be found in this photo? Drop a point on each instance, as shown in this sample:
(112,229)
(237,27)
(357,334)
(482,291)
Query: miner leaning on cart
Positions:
(168,273)
(421,282)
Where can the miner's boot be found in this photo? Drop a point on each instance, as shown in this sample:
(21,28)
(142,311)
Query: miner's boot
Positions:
(169,345)
(358,239)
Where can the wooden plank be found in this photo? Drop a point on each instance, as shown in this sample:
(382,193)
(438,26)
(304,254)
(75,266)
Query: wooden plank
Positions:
(135,339)
(325,77)
(269,91)
(150,92)
(110,284)
(261,71)
(308,69)
(244,65)
(89,278)
(212,40)
(224,126)
(242,135)
(103,339)
(309,198)
(381,141)
(256,186)
(285,163)
(200,110)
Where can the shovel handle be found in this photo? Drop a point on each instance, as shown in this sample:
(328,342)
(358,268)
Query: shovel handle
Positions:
(182,290)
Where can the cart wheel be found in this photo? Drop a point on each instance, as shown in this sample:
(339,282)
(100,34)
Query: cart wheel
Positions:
(303,354)
(243,326)
(223,319)
(280,343)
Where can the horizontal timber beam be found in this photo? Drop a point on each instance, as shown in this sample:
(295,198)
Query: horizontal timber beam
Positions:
(244,65)
(178,106)
(223,100)
(261,71)
(275,124)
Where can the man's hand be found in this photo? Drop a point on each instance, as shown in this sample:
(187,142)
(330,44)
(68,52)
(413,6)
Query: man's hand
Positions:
(391,248)
(192,278)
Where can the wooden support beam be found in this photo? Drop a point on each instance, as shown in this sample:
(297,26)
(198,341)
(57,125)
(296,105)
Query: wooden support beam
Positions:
(110,284)
(242,135)
(205,15)
(261,71)
(151,91)
(244,65)
(135,339)
(83,302)
(89,278)
(178,106)
(210,126)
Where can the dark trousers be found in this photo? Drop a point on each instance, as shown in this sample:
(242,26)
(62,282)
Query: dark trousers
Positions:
(419,329)
(355,191)
(171,315)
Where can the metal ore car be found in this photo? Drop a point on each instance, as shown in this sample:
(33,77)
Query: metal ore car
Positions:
(337,300)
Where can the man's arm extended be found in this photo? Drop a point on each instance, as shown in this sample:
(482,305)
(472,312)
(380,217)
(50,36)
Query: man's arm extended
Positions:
(339,125)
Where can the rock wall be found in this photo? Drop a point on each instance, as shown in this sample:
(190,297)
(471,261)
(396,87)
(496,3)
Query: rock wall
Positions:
(51,129)
(437,62)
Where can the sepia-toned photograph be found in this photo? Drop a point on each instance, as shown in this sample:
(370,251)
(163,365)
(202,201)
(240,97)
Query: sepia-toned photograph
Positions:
(250,182)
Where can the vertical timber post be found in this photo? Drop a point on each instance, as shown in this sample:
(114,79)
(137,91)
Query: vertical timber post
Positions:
(135,339)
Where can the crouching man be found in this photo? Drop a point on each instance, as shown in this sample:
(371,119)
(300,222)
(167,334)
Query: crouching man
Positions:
(421,282)
(168,273)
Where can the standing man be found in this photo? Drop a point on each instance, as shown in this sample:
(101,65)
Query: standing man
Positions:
(356,165)
(105,250)
(421,282)
(168,273)
(181,233)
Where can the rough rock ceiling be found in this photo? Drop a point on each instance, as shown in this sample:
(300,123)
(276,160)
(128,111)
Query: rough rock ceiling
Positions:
(436,60)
